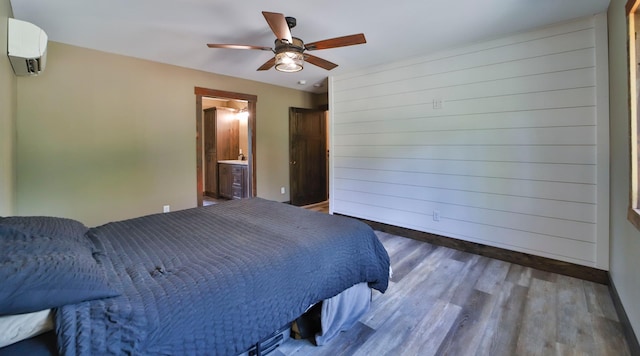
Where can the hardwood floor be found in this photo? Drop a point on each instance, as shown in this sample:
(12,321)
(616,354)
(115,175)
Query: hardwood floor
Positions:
(206,200)
(322,207)
(445,302)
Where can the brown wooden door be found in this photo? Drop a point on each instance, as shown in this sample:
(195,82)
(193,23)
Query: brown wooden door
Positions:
(307,156)
(210,154)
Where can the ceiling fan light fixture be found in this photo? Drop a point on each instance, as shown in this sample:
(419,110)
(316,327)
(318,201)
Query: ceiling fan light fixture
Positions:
(289,51)
(289,61)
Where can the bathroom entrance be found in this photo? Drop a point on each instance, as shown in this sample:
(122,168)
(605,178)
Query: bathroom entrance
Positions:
(225,133)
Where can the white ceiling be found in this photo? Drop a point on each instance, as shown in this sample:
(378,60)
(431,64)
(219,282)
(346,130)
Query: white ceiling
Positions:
(177,31)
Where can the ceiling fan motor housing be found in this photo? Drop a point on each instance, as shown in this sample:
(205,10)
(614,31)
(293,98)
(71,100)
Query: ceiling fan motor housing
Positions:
(283,46)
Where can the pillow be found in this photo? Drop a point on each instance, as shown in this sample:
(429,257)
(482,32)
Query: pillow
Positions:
(47,226)
(19,327)
(47,262)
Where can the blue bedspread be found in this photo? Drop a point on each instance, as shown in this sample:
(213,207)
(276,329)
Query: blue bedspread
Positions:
(215,280)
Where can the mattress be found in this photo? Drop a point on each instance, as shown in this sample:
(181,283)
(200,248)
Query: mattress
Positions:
(217,279)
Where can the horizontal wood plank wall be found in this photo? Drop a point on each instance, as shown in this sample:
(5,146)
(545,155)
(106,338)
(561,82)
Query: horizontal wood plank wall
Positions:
(508,160)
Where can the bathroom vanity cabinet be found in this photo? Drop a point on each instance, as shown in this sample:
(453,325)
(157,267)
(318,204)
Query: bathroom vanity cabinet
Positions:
(232,179)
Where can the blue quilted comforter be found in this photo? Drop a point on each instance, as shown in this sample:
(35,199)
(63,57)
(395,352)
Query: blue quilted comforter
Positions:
(218,279)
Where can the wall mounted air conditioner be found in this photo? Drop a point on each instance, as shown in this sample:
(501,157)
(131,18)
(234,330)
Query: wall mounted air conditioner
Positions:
(26,47)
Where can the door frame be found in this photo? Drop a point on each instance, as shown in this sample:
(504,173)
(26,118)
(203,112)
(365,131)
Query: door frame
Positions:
(205,159)
(251,142)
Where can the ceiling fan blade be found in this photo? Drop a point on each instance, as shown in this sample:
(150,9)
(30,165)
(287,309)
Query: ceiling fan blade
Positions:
(322,63)
(237,46)
(278,25)
(268,64)
(336,42)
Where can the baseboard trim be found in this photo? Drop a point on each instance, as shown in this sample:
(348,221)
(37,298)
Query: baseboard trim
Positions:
(630,335)
(524,259)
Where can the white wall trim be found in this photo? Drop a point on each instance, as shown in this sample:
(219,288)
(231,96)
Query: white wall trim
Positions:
(516,156)
(331,140)
(603,150)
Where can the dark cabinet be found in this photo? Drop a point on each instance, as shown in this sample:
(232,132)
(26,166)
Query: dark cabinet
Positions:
(232,180)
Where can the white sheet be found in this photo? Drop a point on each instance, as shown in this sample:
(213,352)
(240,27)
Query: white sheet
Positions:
(14,328)
(341,312)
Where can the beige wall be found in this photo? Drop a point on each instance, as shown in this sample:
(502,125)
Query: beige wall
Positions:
(102,137)
(625,239)
(7,119)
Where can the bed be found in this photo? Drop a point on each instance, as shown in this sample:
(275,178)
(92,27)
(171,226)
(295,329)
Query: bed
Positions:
(210,280)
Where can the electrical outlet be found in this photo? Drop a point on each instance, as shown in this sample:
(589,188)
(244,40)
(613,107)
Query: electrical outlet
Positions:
(282,190)
(436,215)
(437,103)
(166,208)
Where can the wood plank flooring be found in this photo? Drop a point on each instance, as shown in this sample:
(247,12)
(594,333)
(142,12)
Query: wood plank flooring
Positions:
(322,207)
(445,302)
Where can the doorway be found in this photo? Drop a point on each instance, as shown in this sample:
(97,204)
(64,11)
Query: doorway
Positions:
(308,156)
(249,101)
(225,138)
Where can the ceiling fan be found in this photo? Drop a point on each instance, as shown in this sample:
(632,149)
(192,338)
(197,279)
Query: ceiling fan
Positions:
(290,51)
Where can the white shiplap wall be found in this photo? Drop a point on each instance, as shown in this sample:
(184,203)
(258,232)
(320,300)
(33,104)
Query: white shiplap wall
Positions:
(517,157)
